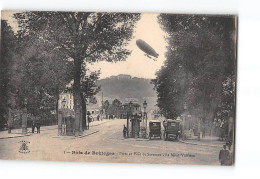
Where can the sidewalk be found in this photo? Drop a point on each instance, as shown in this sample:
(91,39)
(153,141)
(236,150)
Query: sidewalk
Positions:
(85,133)
(5,135)
(211,141)
(50,130)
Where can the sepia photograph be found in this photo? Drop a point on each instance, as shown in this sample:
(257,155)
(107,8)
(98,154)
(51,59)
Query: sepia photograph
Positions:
(115,87)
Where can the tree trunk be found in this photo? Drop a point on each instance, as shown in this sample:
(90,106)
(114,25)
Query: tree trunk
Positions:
(84,112)
(77,97)
(57,104)
(216,100)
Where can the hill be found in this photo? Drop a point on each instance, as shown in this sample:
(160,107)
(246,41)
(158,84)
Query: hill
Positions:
(126,88)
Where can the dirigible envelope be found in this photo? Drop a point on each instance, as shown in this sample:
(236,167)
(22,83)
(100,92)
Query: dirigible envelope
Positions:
(146,48)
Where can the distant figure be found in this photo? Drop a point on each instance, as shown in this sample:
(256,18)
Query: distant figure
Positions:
(38,126)
(230,153)
(224,156)
(165,124)
(125,132)
(33,126)
(98,117)
(203,130)
(64,127)
(89,120)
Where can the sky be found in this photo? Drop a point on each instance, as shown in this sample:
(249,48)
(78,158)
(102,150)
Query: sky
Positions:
(136,64)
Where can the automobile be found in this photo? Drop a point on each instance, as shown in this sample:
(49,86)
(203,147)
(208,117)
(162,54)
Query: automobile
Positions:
(172,129)
(155,129)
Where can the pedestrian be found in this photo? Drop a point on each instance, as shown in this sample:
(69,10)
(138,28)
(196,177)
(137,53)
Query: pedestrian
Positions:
(230,153)
(125,132)
(199,129)
(98,117)
(203,130)
(88,119)
(164,124)
(38,126)
(33,125)
(64,127)
(224,156)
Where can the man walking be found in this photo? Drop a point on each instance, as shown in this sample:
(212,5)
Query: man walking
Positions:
(224,156)
(38,126)
(125,131)
(33,125)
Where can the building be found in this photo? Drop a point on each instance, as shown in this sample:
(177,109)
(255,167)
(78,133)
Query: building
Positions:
(94,110)
(66,96)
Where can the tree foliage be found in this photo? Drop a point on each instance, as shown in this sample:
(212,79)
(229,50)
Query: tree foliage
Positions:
(41,75)
(83,37)
(8,54)
(89,85)
(199,61)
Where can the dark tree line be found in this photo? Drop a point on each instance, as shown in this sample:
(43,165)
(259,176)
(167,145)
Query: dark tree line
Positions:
(199,72)
(8,47)
(114,109)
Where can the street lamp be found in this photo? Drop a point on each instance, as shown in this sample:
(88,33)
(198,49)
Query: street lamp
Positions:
(145,105)
(129,113)
(130,106)
(63,103)
(63,125)
(145,116)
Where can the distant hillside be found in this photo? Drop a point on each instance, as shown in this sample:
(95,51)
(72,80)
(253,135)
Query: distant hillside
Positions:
(124,87)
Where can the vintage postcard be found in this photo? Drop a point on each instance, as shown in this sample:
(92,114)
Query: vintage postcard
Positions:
(118,87)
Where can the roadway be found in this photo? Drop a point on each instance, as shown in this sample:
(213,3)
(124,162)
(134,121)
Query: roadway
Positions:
(104,142)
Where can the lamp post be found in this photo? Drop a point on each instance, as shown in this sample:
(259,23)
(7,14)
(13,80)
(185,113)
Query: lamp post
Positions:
(61,116)
(145,116)
(129,113)
(63,103)
(24,118)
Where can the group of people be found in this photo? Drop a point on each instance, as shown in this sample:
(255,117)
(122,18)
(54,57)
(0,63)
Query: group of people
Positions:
(226,155)
(220,128)
(36,124)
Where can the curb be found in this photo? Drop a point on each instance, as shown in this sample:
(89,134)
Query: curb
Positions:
(87,134)
(197,144)
(74,137)
(135,139)
(14,136)
(98,124)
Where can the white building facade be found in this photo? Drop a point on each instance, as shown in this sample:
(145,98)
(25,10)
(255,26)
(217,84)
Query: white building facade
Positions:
(68,97)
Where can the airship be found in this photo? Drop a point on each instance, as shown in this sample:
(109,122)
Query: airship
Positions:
(146,48)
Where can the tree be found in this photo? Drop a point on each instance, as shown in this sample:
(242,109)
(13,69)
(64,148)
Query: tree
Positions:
(85,37)
(106,107)
(116,107)
(39,75)
(89,88)
(8,54)
(200,58)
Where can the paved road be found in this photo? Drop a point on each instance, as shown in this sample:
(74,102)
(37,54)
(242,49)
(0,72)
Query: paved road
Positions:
(104,143)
